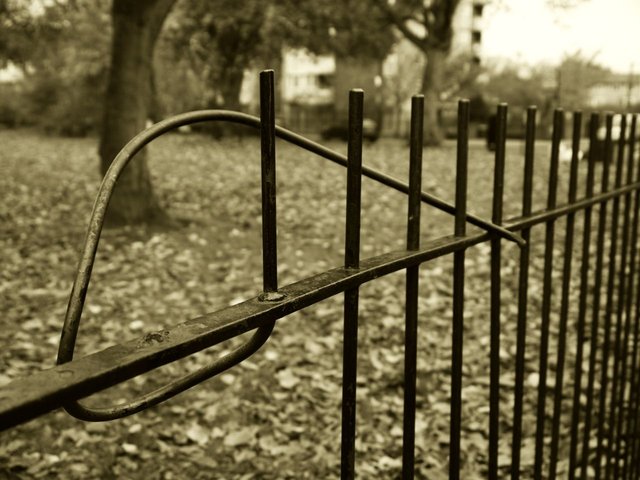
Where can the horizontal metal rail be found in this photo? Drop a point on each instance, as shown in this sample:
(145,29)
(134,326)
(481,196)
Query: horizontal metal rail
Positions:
(520,223)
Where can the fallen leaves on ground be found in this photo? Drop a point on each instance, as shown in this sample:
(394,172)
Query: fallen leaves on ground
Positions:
(277,415)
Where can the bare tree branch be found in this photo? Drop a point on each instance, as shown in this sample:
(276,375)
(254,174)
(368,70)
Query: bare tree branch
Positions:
(401,24)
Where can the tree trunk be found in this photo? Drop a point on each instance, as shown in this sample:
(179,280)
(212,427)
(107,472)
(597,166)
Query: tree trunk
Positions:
(230,86)
(136,26)
(431,87)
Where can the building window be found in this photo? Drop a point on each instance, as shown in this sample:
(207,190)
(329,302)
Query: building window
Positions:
(477,9)
(325,81)
(475,60)
(476,36)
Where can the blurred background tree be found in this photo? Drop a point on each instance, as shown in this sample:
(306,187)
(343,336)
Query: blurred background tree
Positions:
(214,43)
(574,76)
(129,102)
(93,66)
(170,56)
(61,49)
(346,29)
(428,26)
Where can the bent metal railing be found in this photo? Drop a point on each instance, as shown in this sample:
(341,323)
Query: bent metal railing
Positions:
(617,432)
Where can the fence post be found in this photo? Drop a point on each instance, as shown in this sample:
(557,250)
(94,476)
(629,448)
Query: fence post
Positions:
(268,177)
(412,282)
(564,305)
(351,260)
(582,303)
(619,305)
(496,249)
(458,290)
(597,286)
(558,120)
(606,346)
(523,284)
(631,420)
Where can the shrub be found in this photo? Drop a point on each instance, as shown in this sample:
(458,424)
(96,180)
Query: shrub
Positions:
(13,106)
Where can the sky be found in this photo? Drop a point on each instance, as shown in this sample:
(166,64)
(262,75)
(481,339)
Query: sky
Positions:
(528,31)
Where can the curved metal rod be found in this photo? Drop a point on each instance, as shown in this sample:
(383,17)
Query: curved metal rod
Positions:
(81,283)
(175,387)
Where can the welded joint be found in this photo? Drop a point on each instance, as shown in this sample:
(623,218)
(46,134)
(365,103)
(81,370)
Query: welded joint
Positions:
(271,297)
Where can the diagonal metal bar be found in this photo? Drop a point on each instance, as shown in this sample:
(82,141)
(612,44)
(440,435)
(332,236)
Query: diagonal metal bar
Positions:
(47,390)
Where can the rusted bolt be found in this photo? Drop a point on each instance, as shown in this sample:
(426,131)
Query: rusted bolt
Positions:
(155,337)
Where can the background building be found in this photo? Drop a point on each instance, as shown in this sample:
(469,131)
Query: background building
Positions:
(468,25)
(619,92)
(313,88)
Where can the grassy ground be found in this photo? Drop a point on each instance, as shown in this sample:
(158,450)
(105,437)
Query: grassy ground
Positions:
(276,415)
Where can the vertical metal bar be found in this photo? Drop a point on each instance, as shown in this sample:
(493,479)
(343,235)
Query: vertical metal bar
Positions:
(626,287)
(458,291)
(415,172)
(615,383)
(351,260)
(582,302)
(348,444)
(523,284)
(634,431)
(633,435)
(634,463)
(494,385)
(631,419)
(630,468)
(412,280)
(610,302)
(268,155)
(602,403)
(597,287)
(634,460)
(634,454)
(354,179)
(462,157)
(564,303)
(619,305)
(558,120)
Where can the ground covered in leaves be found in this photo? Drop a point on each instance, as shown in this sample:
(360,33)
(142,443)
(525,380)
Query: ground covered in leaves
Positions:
(277,415)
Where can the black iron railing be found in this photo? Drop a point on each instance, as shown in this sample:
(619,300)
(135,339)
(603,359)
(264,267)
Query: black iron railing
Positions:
(609,384)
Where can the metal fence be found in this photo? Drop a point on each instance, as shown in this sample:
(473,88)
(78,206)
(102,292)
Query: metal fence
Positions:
(603,440)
